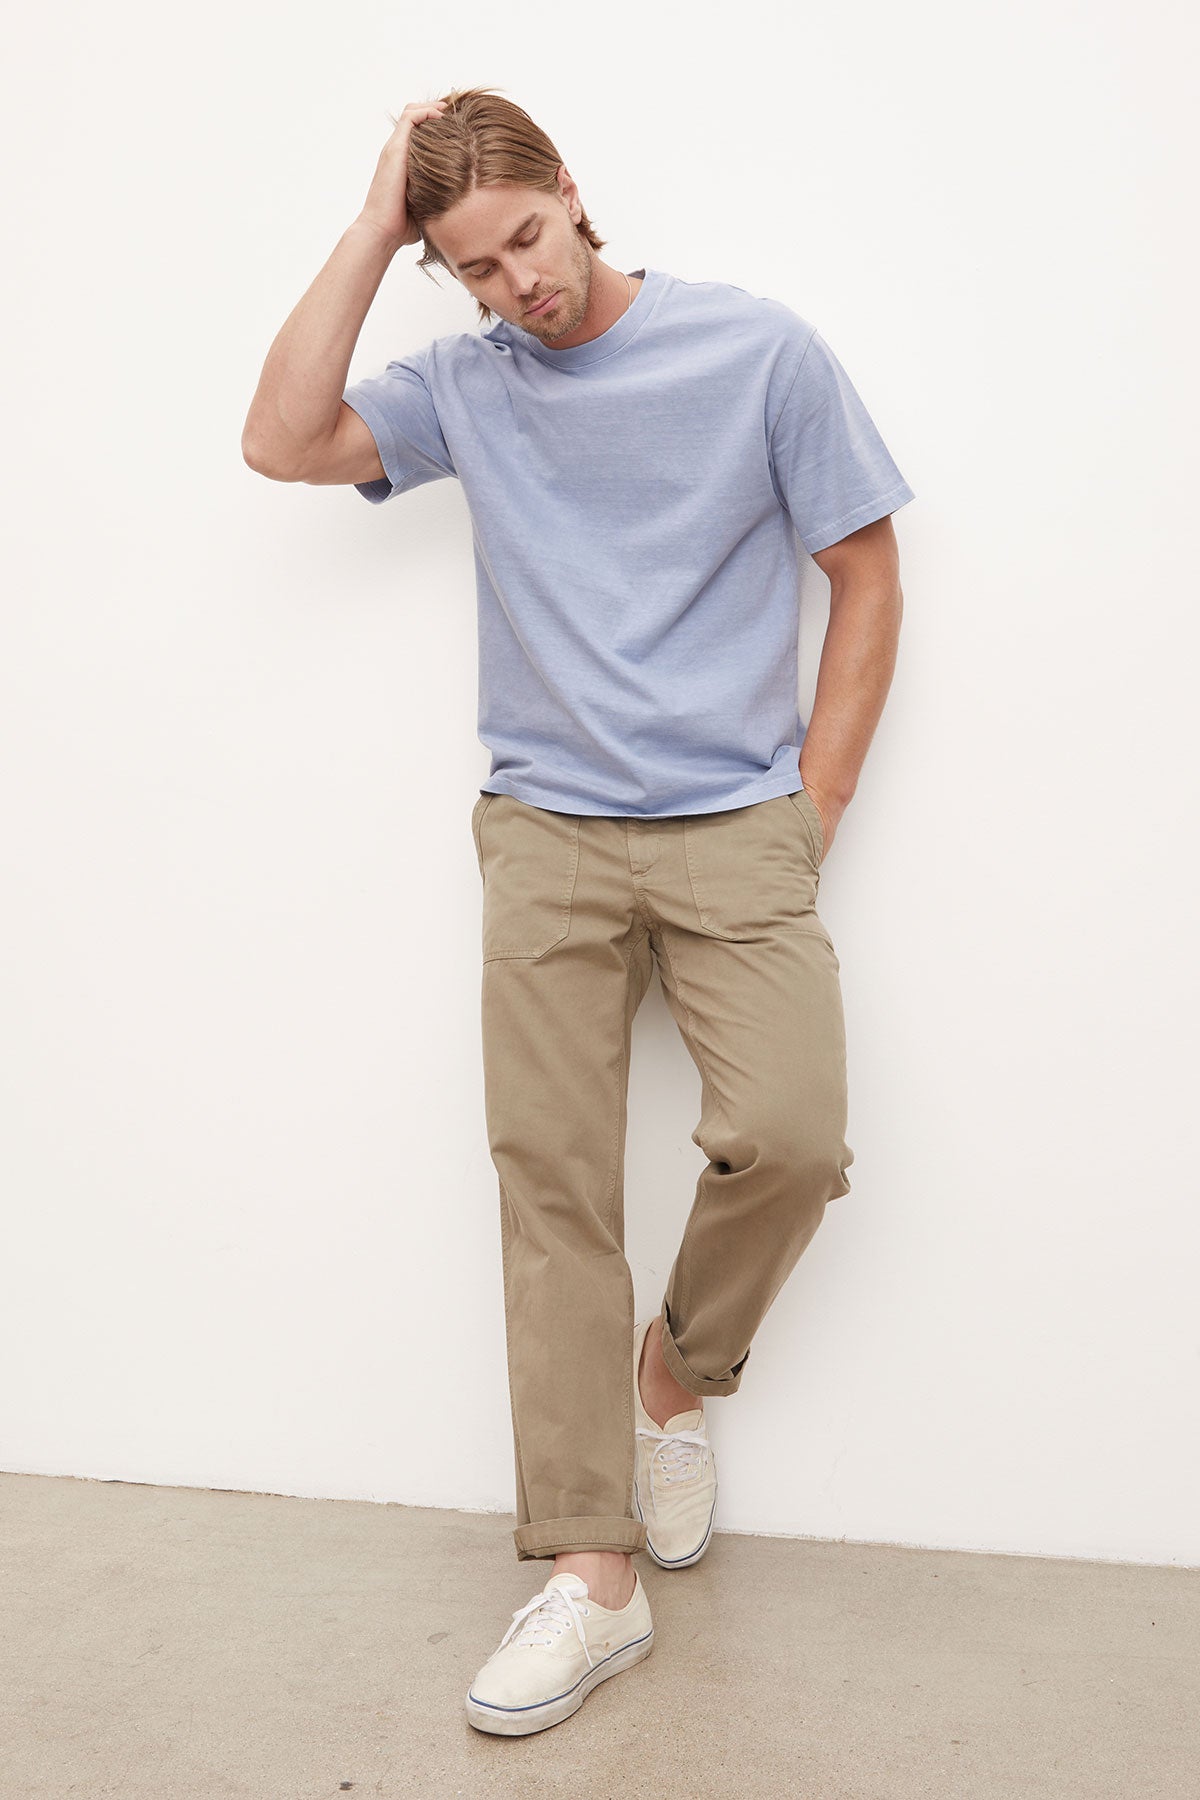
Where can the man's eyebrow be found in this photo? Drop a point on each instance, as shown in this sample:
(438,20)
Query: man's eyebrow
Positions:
(521,228)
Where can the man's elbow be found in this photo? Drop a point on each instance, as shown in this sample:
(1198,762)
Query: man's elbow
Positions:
(259,458)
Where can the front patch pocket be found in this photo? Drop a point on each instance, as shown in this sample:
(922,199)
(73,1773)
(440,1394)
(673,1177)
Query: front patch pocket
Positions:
(529,858)
(753,870)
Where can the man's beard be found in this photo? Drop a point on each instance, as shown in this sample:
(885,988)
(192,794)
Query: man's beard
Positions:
(567,316)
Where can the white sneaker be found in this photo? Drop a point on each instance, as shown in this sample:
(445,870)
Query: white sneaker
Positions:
(554,1653)
(675,1485)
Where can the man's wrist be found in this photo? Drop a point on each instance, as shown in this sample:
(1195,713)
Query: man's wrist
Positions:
(827,785)
(367,228)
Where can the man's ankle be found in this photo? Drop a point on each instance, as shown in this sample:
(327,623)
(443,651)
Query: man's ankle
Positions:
(609,1574)
(659,1391)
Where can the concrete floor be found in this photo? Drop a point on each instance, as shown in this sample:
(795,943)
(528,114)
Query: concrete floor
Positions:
(168,1642)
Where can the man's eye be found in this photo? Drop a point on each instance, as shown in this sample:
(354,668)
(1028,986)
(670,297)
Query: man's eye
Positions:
(524,243)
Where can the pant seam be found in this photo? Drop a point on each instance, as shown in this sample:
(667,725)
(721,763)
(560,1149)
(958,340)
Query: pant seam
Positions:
(630,1297)
(686,1266)
(505,1255)
(622,1071)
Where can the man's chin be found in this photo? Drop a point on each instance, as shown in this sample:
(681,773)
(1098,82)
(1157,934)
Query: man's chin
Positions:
(558,322)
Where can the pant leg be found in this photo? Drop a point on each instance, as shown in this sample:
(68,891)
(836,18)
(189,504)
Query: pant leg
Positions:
(566,965)
(752,978)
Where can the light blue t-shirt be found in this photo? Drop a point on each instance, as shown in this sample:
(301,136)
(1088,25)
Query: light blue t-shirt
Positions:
(635,503)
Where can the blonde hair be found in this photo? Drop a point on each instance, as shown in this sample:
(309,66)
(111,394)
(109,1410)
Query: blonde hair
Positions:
(478,141)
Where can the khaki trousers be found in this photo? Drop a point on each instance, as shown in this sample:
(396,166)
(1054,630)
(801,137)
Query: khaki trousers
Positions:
(577,911)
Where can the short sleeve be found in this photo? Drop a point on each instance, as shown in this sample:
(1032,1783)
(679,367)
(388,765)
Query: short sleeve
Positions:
(831,468)
(399,411)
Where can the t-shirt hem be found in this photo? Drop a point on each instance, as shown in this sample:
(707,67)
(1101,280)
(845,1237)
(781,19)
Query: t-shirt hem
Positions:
(865,514)
(383,487)
(786,781)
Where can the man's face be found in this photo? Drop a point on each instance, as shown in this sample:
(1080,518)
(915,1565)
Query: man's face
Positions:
(513,246)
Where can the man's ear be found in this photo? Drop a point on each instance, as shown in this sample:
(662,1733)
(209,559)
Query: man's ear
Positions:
(570,194)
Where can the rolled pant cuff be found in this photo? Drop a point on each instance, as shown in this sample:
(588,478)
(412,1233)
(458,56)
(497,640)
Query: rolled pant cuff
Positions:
(555,1537)
(700,1385)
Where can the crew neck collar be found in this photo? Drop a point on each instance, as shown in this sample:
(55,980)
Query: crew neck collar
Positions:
(615,338)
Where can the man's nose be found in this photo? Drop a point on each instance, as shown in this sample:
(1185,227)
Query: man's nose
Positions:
(524,282)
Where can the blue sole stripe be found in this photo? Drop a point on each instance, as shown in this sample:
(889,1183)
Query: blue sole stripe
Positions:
(537,1705)
(671,1562)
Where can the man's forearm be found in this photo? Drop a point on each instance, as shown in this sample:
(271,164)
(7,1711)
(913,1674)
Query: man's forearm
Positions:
(858,660)
(296,403)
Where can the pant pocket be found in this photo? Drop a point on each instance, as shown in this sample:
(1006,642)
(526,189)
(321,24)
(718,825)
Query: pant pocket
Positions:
(528,858)
(752,871)
(807,807)
(477,812)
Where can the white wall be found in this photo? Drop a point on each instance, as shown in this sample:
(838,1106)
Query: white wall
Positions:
(252,1226)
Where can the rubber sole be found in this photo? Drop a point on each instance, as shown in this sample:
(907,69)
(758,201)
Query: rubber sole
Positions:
(682,1562)
(519,1721)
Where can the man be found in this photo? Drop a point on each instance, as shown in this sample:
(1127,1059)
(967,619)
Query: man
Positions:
(638,454)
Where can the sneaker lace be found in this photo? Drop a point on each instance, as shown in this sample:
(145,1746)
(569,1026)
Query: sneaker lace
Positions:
(546,1617)
(680,1455)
